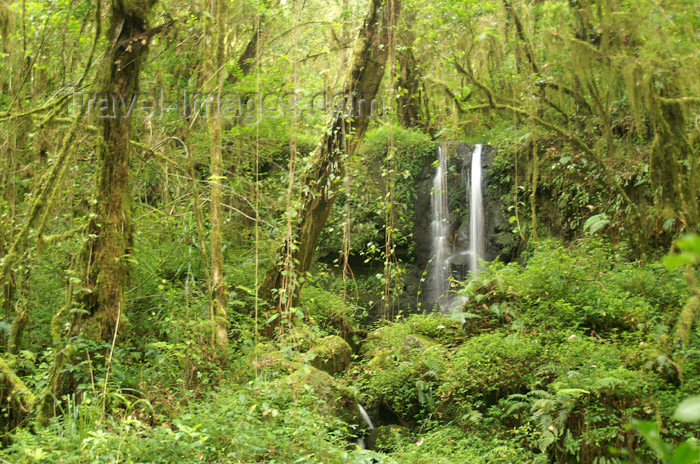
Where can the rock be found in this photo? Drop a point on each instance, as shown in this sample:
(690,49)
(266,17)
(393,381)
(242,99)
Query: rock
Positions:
(267,357)
(385,438)
(332,355)
(419,342)
(335,399)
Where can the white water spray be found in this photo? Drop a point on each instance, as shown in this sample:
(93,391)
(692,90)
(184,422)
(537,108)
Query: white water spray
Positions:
(476,213)
(440,226)
(365,416)
(368,421)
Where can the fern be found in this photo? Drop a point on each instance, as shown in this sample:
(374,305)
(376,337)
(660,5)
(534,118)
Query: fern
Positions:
(595,223)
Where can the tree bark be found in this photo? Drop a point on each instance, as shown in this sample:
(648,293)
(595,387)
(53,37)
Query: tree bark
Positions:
(106,256)
(341,138)
(408,90)
(217,58)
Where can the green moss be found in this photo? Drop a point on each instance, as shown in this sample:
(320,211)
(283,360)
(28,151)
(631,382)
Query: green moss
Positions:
(332,355)
(437,326)
(487,367)
(418,342)
(335,399)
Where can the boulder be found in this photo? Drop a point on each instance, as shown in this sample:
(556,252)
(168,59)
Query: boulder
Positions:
(335,399)
(332,355)
(385,438)
(419,342)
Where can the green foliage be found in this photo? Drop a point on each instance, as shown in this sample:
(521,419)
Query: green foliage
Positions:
(450,445)
(575,290)
(549,360)
(689,246)
(241,423)
(328,311)
(497,364)
(369,174)
(402,371)
(440,327)
(688,410)
(687,452)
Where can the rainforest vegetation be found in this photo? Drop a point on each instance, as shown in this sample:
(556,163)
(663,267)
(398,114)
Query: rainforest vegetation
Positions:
(215,231)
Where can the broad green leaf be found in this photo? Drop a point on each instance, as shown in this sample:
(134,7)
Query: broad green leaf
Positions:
(686,453)
(688,410)
(673,261)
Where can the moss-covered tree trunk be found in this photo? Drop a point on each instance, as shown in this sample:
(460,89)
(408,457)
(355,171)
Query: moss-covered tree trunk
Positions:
(342,136)
(408,90)
(106,258)
(214,73)
(407,82)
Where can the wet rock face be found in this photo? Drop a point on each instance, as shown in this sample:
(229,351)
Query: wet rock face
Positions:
(498,236)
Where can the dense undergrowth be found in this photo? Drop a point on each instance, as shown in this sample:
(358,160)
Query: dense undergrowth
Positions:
(552,360)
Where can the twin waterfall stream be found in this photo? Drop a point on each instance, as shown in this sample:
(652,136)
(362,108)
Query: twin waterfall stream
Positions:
(448,261)
(444,256)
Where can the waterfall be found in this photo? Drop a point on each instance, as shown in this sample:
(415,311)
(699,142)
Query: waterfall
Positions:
(370,426)
(476,213)
(439,269)
(445,261)
(365,416)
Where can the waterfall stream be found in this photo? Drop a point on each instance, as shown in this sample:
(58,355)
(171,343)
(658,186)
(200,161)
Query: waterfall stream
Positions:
(476,213)
(368,421)
(365,416)
(439,268)
(444,259)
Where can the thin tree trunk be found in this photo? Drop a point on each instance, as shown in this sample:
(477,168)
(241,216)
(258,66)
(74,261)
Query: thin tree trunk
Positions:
(219,300)
(324,180)
(408,86)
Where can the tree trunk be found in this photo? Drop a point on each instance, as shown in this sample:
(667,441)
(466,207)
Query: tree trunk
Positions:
(408,91)
(106,258)
(324,180)
(216,62)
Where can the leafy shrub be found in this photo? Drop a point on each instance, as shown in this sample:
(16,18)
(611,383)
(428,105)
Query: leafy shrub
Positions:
(254,422)
(588,287)
(401,373)
(488,367)
(450,445)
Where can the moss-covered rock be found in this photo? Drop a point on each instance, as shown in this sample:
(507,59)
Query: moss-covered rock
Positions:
(386,438)
(265,356)
(383,337)
(403,381)
(335,399)
(418,342)
(332,355)
(444,329)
